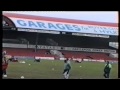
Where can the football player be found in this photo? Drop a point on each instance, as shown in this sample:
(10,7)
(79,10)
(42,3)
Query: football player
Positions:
(4,64)
(67,68)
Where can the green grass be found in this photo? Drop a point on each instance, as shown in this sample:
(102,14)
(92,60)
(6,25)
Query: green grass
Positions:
(43,70)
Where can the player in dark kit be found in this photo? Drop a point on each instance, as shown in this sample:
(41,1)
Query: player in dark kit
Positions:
(66,69)
(107,70)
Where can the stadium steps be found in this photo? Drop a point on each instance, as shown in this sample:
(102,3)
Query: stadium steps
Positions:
(69,54)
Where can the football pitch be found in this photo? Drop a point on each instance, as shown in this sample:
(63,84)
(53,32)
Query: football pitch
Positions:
(47,69)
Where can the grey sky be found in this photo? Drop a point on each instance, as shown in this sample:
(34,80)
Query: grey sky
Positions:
(100,16)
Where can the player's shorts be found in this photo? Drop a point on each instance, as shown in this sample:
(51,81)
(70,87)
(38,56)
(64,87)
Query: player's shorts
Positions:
(66,71)
(4,66)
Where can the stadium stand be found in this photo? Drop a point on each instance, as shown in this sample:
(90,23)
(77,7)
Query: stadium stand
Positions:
(22,38)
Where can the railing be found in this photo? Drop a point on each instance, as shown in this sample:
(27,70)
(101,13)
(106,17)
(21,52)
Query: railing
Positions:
(59,48)
(51,42)
(56,52)
(113,44)
(14,45)
(113,55)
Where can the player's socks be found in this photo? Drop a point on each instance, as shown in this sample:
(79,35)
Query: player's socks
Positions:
(4,75)
(67,76)
(65,73)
